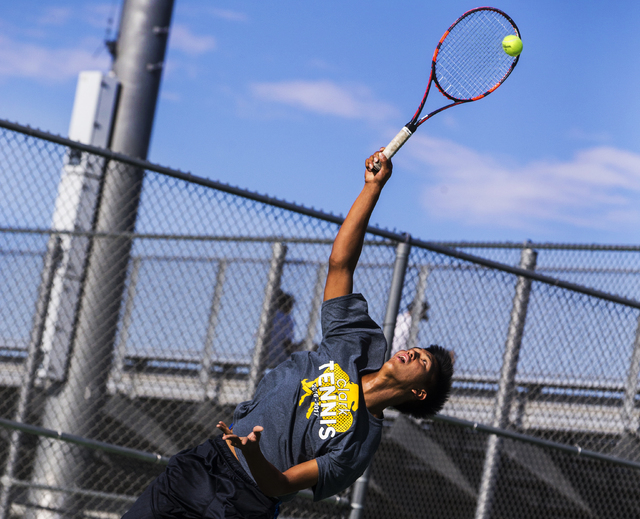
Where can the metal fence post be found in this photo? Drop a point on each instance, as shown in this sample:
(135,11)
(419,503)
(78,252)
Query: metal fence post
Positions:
(359,491)
(631,386)
(52,262)
(266,316)
(316,303)
(416,312)
(506,384)
(208,350)
(121,350)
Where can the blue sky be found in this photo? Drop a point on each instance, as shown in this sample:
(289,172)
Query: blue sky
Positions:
(288,98)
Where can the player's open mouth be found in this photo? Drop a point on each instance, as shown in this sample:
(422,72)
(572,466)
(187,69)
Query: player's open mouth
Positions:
(404,358)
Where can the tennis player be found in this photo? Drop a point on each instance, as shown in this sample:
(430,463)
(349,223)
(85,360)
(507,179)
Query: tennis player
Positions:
(316,419)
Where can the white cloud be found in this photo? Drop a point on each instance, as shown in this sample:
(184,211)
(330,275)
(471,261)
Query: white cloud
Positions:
(325,97)
(34,57)
(29,60)
(184,40)
(226,14)
(55,16)
(94,14)
(599,188)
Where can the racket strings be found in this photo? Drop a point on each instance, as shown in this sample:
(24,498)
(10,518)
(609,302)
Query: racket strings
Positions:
(471,61)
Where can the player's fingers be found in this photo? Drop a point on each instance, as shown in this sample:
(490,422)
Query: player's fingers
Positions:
(257,431)
(231,437)
(384,160)
(223,427)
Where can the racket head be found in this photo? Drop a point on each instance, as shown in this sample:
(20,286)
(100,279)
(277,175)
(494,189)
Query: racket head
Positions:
(469,62)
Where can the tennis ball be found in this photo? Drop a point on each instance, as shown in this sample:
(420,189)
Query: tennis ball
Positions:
(512,45)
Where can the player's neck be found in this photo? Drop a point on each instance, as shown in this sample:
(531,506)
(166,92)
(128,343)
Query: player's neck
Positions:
(379,393)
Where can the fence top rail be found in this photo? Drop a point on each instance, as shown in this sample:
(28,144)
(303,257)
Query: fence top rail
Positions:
(314,213)
(593,247)
(186,237)
(85,442)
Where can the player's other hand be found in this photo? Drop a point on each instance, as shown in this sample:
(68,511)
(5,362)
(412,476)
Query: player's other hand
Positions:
(386,167)
(246,444)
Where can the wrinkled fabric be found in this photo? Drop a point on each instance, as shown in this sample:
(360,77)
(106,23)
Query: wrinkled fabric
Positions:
(204,482)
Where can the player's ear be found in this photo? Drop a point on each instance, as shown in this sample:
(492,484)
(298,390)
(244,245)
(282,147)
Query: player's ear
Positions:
(419,394)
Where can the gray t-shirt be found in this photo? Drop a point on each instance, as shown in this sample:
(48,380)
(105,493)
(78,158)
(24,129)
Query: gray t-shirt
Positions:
(312,406)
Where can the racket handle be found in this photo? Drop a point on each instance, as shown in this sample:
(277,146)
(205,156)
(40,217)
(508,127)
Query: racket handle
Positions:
(395,144)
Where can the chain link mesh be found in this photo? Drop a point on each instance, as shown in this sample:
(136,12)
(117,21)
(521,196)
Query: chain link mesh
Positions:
(147,339)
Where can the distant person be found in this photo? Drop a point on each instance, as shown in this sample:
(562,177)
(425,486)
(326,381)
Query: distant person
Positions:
(402,331)
(316,420)
(279,343)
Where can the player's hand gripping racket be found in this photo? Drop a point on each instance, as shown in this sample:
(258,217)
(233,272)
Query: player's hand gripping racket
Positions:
(468,64)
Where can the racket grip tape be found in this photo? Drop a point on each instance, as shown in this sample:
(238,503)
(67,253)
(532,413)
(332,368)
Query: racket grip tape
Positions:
(395,144)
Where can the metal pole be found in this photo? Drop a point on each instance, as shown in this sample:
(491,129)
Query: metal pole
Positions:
(266,316)
(121,351)
(505,395)
(359,492)
(416,312)
(208,350)
(53,259)
(395,291)
(316,303)
(631,386)
(74,405)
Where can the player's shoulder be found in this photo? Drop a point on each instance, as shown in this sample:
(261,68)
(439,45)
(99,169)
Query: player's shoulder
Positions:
(347,315)
(345,312)
(350,304)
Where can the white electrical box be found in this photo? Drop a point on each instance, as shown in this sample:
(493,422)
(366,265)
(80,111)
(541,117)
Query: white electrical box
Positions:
(91,123)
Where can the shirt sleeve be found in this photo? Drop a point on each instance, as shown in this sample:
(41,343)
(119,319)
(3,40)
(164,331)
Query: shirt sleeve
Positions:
(334,476)
(344,314)
(346,325)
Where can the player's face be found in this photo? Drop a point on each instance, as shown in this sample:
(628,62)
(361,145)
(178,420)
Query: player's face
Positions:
(413,366)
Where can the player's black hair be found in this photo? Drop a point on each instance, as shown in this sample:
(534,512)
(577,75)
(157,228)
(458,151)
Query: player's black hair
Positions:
(439,386)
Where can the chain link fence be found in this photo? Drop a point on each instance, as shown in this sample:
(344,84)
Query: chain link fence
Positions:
(144,331)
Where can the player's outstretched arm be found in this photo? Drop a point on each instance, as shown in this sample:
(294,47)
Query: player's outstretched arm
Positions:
(348,243)
(271,481)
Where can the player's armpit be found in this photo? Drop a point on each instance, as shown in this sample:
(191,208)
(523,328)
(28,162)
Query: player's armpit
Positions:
(339,283)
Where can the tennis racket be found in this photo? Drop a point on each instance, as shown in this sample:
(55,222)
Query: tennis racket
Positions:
(468,64)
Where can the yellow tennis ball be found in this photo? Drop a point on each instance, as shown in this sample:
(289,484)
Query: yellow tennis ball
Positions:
(512,45)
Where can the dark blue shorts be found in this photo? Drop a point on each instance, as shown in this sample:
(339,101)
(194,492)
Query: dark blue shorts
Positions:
(204,482)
